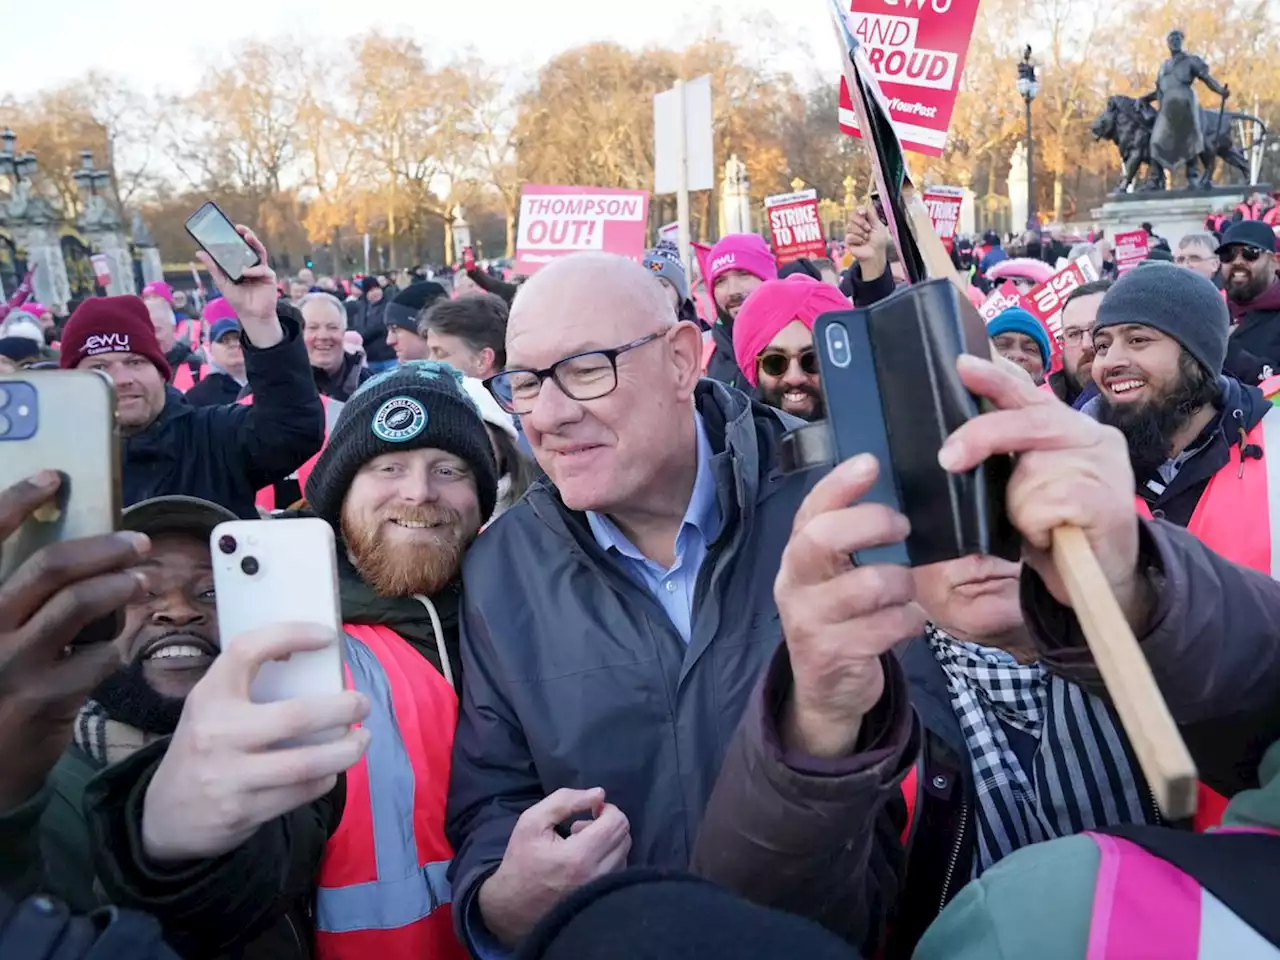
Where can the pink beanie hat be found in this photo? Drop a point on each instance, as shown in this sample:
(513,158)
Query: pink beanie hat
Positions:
(158,288)
(773,305)
(216,310)
(742,251)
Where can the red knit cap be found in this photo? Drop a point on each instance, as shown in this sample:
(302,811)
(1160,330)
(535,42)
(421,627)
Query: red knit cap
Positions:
(111,325)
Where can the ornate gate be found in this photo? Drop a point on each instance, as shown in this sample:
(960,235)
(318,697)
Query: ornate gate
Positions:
(80,275)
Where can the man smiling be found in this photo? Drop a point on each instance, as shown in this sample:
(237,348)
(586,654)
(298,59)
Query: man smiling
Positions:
(1251,279)
(1196,438)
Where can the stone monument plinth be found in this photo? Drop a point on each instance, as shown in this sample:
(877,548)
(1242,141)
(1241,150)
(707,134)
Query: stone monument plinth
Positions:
(1172,213)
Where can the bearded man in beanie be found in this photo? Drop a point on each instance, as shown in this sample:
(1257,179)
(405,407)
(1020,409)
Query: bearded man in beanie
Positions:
(404,315)
(739,263)
(1202,444)
(406,481)
(224,454)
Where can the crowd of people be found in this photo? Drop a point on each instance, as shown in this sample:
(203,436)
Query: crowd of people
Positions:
(614,686)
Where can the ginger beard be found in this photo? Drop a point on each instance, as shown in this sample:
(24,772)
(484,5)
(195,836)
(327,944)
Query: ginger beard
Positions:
(406,550)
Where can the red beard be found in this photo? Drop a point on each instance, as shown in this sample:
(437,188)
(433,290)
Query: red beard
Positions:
(394,569)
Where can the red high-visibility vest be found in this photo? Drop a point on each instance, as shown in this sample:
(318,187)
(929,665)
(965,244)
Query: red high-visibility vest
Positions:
(1238,516)
(266,497)
(381,889)
(195,328)
(184,379)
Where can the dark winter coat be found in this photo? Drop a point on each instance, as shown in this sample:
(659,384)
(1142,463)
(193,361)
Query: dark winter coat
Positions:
(822,837)
(575,677)
(214,390)
(368,319)
(1241,407)
(346,381)
(226,454)
(1253,349)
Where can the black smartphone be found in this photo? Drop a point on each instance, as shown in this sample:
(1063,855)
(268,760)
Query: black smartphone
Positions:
(891,387)
(217,235)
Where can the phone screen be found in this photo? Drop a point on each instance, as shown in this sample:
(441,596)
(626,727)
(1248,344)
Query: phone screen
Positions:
(213,231)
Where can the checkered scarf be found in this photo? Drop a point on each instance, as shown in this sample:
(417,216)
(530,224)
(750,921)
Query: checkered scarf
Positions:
(1082,777)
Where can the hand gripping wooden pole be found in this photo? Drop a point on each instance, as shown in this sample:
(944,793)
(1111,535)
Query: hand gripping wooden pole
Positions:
(1163,756)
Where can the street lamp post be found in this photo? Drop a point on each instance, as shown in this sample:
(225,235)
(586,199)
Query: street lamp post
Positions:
(1028,87)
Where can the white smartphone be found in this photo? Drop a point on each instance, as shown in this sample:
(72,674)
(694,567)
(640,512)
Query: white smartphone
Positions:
(271,571)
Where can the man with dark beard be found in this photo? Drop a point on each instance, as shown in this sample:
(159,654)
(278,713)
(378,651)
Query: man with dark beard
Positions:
(170,637)
(406,480)
(773,342)
(1073,384)
(1251,281)
(1197,439)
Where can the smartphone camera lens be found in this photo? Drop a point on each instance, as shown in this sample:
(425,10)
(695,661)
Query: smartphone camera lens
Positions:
(227,544)
(838,348)
(249,565)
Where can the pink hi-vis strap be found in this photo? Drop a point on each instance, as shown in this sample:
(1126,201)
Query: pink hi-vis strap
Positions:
(1143,907)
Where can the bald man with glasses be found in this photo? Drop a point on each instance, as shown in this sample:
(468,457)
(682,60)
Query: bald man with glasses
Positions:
(615,620)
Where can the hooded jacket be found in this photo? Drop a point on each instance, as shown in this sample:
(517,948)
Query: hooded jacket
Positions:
(1253,349)
(575,676)
(228,453)
(1241,405)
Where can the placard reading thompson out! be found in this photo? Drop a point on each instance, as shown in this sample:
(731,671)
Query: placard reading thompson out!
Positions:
(916,49)
(795,225)
(558,221)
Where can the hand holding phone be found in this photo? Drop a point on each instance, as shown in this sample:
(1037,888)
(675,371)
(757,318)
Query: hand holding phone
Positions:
(45,604)
(468,258)
(226,772)
(239,265)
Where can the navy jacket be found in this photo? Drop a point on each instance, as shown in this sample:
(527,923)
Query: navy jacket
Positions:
(573,675)
(227,453)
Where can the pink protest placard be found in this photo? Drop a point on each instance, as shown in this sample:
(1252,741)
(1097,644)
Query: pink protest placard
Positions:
(1045,301)
(1002,298)
(917,51)
(1131,249)
(795,225)
(558,221)
(943,204)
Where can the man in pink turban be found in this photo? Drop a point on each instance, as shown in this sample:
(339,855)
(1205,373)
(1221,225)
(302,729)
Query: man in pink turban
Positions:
(773,342)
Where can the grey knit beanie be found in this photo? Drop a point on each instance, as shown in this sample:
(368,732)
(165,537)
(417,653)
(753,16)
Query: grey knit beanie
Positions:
(1174,301)
(418,405)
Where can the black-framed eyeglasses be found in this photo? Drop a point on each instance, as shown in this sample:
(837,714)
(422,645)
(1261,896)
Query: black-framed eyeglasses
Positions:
(583,376)
(777,364)
(1228,254)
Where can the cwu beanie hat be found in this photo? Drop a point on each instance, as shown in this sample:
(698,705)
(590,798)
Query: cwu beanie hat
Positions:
(419,405)
(773,305)
(1175,301)
(111,325)
(1017,320)
(742,251)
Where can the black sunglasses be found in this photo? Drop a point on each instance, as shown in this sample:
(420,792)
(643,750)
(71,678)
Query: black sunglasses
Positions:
(1228,254)
(777,364)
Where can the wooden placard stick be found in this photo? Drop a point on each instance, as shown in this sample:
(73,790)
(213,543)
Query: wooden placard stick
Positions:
(1157,743)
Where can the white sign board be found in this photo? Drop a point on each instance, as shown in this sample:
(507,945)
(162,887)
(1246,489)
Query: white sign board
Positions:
(697,146)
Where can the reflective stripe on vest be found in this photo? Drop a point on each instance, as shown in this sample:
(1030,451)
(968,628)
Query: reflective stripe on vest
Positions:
(1226,518)
(1144,906)
(382,889)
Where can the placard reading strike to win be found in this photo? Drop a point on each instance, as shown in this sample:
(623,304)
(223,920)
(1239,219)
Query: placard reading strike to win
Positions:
(795,226)
(916,48)
(558,221)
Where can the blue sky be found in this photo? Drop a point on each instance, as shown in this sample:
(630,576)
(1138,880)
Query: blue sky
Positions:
(166,44)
